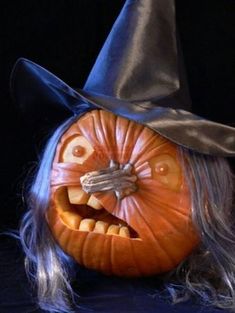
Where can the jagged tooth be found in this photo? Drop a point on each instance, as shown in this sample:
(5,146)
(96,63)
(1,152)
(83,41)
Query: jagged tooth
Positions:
(101,227)
(77,195)
(94,203)
(113,230)
(87,224)
(124,232)
(71,219)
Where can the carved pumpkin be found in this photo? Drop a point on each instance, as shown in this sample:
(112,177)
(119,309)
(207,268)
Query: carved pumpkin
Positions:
(119,200)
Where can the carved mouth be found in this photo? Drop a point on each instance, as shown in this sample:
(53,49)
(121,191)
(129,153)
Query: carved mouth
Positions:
(90,217)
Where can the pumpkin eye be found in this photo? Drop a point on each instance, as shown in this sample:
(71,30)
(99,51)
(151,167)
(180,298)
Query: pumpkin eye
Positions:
(77,150)
(161,168)
(166,170)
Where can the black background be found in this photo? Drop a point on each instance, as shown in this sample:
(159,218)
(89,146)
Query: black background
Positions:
(65,36)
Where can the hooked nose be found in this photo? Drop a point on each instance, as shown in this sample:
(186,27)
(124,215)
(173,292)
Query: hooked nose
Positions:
(117,178)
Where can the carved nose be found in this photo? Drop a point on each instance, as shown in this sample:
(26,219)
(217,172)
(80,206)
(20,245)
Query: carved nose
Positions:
(116,178)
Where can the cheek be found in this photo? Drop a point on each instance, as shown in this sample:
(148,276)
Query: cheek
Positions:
(163,200)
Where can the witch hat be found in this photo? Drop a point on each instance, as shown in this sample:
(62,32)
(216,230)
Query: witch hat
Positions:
(138,75)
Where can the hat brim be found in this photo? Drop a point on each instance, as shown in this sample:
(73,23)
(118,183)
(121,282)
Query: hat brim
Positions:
(38,91)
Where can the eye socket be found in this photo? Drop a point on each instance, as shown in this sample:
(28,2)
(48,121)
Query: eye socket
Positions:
(77,150)
(166,170)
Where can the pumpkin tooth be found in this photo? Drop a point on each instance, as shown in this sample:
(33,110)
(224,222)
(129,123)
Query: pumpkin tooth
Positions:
(94,203)
(77,195)
(124,232)
(113,230)
(87,224)
(71,219)
(101,227)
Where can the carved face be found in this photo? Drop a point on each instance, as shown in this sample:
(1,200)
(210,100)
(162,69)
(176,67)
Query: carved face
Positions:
(119,200)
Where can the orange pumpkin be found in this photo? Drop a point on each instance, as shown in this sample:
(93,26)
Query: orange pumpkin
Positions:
(119,200)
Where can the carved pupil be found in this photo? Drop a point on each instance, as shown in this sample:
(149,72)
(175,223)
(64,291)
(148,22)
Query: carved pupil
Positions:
(78,151)
(162,169)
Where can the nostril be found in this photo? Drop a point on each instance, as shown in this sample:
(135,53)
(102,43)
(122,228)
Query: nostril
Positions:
(117,178)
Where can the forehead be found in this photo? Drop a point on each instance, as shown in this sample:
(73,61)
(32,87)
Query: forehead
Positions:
(103,120)
(114,133)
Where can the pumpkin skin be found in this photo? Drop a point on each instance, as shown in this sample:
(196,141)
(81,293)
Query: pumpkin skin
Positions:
(148,231)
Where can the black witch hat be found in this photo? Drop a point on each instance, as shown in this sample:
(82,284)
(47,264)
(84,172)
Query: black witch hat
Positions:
(138,75)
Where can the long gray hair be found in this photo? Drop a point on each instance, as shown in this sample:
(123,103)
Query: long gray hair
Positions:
(47,266)
(209,272)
